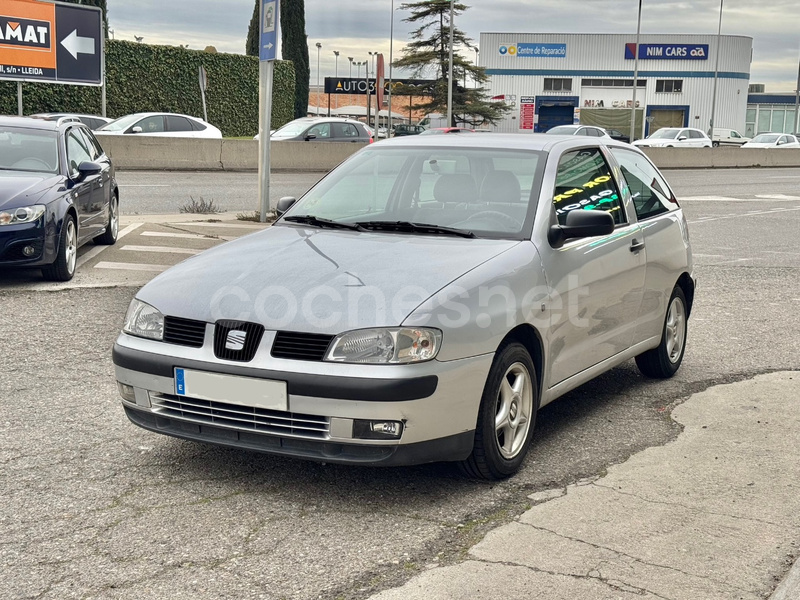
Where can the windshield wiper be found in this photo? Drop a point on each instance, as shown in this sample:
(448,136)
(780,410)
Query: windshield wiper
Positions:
(409,227)
(319,222)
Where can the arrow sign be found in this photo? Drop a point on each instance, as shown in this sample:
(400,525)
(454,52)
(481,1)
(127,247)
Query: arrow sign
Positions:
(76,44)
(269,46)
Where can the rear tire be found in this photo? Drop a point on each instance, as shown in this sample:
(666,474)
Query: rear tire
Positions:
(507,416)
(715,144)
(109,237)
(63,268)
(663,362)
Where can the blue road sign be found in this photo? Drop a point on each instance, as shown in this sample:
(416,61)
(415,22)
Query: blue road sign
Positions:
(268,48)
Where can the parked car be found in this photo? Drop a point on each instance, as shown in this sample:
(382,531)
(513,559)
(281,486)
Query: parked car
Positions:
(681,137)
(404,129)
(727,137)
(323,129)
(440,130)
(161,125)
(91,121)
(773,140)
(57,192)
(615,134)
(589,130)
(521,268)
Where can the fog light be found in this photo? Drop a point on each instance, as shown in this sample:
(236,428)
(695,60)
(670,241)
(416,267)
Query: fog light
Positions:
(29,250)
(126,391)
(377,430)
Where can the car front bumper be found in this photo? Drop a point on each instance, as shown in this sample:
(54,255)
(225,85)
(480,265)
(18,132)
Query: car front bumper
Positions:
(436,402)
(14,239)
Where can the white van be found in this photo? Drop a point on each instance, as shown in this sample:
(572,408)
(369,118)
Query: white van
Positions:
(727,137)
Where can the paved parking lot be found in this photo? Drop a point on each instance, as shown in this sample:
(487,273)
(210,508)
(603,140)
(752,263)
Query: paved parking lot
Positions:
(94,507)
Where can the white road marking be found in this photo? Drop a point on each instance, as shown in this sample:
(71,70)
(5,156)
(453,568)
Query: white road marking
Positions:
(783,197)
(127,185)
(166,249)
(755,214)
(225,225)
(92,252)
(186,236)
(131,266)
(774,198)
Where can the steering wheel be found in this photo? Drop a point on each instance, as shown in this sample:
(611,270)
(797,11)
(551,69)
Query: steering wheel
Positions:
(31,162)
(498,216)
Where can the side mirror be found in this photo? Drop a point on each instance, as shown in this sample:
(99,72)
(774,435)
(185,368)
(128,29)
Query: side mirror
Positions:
(682,138)
(136,129)
(311,136)
(581,223)
(284,204)
(87,169)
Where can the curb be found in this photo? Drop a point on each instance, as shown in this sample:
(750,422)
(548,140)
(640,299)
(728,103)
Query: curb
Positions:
(789,589)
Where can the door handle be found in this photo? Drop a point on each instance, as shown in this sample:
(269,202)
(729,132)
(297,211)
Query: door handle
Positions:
(636,246)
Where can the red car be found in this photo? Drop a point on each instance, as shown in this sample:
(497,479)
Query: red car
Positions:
(438,130)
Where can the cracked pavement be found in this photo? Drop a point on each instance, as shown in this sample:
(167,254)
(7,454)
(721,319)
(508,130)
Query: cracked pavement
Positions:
(96,508)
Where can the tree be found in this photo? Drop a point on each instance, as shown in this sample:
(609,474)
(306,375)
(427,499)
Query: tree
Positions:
(294,47)
(251,46)
(428,56)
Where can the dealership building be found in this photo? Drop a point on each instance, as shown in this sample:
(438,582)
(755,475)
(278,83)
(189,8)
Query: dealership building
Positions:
(557,79)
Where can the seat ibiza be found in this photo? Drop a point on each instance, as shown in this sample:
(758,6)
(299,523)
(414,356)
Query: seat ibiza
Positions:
(419,304)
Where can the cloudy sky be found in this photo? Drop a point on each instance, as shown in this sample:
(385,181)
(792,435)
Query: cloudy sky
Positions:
(355,27)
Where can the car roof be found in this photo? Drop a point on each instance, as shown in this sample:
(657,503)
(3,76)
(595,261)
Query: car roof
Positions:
(30,123)
(500,141)
(159,114)
(326,119)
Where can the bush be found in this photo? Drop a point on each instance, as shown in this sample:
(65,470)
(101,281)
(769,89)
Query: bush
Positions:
(143,78)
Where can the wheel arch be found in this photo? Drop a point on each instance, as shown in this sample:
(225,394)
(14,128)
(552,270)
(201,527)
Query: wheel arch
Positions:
(531,339)
(686,283)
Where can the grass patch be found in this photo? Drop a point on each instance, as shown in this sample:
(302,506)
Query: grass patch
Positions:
(255,217)
(200,207)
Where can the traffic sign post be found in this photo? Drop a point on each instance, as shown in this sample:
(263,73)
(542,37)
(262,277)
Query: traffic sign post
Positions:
(268,42)
(51,42)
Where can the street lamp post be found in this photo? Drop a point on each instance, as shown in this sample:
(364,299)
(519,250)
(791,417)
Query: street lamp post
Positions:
(450,74)
(319,47)
(371,65)
(716,76)
(632,134)
(391,47)
(336,73)
(476,64)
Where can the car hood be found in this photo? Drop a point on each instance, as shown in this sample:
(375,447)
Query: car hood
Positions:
(323,281)
(20,188)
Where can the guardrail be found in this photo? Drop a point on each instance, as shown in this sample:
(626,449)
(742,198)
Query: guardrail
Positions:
(131,152)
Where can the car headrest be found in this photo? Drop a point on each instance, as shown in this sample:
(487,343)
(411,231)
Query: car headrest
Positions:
(455,188)
(500,187)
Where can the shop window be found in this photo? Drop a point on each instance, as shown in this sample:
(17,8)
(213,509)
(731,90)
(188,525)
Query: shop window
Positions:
(669,86)
(557,85)
(612,83)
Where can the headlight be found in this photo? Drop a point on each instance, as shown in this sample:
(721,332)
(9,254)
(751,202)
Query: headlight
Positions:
(144,321)
(386,346)
(25,214)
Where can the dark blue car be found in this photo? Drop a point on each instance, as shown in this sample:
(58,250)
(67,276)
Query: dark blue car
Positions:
(57,192)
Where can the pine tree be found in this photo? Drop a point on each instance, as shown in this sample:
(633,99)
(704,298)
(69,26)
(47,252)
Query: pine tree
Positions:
(251,46)
(294,44)
(428,56)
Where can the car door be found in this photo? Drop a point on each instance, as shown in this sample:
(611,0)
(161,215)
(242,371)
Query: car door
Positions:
(84,190)
(595,283)
(179,126)
(665,237)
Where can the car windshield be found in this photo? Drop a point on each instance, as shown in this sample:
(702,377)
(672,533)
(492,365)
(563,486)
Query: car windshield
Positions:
(562,130)
(486,192)
(120,124)
(766,138)
(23,149)
(665,134)
(292,129)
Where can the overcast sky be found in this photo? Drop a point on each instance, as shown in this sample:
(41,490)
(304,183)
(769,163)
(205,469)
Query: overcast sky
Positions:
(355,27)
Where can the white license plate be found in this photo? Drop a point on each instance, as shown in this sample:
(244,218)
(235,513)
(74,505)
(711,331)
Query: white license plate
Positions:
(244,391)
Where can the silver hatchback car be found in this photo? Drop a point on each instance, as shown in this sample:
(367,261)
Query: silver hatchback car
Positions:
(419,304)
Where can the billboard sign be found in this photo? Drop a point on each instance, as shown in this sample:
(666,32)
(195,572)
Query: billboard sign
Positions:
(527,112)
(358,86)
(667,51)
(51,42)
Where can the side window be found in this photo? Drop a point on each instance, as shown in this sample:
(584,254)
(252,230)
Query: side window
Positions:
(735,134)
(98,149)
(196,125)
(345,130)
(89,142)
(77,152)
(651,194)
(178,123)
(153,124)
(321,131)
(584,182)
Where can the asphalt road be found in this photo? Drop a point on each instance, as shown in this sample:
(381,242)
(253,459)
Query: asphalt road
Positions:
(94,507)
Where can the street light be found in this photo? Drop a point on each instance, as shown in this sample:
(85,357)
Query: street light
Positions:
(635,74)
(319,47)
(336,73)
(450,74)
(391,60)
(716,76)
(476,64)
(373,56)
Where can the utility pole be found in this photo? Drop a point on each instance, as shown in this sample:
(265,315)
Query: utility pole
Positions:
(319,47)
(336,73)
(636,74)
(797,103)
(450,75)
(391,59)
(716,76)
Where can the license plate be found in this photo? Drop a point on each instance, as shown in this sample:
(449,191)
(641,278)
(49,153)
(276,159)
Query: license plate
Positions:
(231,389)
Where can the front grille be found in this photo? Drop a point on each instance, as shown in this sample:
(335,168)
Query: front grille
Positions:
(184,332)
(301,346)
(244,418)
(237,340)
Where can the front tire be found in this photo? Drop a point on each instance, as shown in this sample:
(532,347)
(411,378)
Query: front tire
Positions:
(63,268)
(507,416)
(109,237)
(663,362)
(715,144)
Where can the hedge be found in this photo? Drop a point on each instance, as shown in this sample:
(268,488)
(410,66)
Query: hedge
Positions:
(144,78)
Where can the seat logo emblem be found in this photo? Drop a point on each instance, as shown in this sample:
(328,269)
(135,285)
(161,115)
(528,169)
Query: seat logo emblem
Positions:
(235,340)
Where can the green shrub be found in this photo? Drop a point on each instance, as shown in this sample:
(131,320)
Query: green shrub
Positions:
(143,78)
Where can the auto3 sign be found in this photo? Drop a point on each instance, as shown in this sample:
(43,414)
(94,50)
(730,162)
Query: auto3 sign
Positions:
(50,41)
